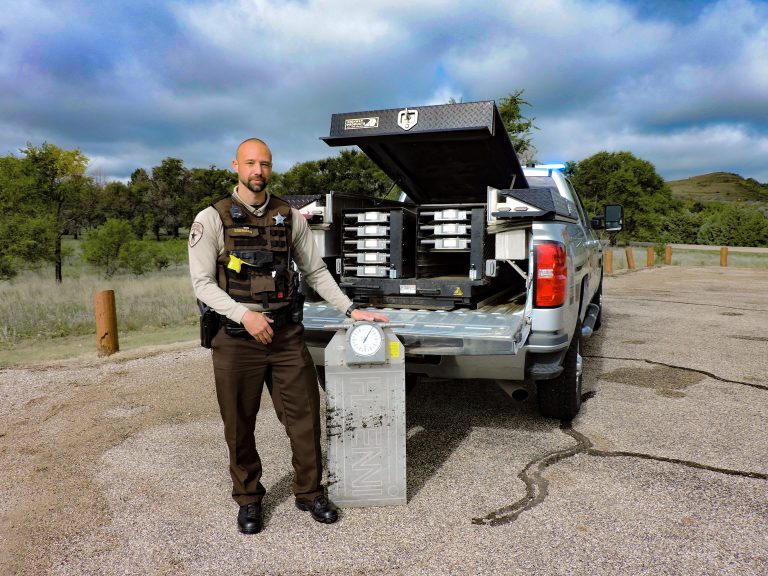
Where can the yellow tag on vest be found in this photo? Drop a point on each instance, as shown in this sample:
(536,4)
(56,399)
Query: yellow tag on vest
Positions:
(235,263)
(247,231)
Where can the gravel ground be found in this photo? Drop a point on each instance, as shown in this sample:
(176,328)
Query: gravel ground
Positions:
(118,465)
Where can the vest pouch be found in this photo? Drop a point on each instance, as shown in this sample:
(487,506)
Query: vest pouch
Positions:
(277,239)
(262,283)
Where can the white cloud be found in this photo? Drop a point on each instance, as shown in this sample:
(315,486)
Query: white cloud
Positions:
(142,81)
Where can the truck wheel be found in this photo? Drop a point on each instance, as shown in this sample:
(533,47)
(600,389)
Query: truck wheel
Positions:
(561,397)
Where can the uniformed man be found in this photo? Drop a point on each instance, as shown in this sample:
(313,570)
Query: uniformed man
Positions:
(241,251)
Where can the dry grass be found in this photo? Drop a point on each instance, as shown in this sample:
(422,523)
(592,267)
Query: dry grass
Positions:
(33,307)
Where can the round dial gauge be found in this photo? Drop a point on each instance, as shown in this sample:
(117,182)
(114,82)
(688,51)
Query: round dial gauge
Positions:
(365,339)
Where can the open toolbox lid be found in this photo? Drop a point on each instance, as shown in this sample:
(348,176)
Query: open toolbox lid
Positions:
(448,153)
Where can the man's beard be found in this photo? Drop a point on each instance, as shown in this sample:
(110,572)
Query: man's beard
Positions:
(255,187)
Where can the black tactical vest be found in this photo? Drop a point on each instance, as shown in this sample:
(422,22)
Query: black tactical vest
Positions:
(255,266)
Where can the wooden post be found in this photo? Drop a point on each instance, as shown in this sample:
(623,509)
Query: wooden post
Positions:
(650,260)
(106,323)
(608,262)
(630,258)
(724,256)
(668,255)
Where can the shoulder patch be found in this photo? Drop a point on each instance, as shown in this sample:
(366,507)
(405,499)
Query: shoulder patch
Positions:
(195,233)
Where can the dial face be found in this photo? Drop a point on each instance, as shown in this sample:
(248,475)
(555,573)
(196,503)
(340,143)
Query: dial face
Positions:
(365,339)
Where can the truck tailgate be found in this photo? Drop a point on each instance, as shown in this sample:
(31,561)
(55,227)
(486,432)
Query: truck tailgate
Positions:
(488,330)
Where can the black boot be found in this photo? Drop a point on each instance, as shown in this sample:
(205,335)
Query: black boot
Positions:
(249,518)
(322,509)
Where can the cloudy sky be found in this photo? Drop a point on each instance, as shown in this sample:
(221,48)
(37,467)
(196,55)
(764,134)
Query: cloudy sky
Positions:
(683,84)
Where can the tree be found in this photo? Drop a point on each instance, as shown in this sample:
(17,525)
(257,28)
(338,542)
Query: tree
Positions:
(681,227)
(141,192)
(25,231)
(102,247)
(351,172)
(518,126)
(168,196)
(206,186)
(59,180)
(622,178)
(733,226)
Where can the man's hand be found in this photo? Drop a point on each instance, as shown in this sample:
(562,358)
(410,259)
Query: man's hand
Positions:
(361,314)
(258,326)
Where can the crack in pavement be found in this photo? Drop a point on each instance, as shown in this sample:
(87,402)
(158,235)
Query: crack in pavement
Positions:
(685,368)
(537,487)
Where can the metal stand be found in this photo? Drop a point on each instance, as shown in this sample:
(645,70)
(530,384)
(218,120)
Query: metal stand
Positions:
(365,389)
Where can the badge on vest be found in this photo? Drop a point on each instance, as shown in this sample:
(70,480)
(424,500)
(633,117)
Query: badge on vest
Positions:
(279,220)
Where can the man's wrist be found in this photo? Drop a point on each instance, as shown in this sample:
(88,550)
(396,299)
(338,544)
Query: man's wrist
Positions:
(351,309)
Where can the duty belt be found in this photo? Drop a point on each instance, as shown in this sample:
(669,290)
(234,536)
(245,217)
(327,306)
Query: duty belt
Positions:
(280,319)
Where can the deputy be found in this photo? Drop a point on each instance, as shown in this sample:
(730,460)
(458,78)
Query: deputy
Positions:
(241,254)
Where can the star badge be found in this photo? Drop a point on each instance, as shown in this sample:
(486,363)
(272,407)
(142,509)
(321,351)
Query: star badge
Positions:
(279,220)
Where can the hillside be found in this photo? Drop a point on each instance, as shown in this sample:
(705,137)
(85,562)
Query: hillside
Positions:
(720,187)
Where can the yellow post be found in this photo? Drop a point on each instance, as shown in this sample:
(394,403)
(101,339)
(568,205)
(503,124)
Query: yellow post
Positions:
(630,258)
(724,256)
(106,323)
(668,255)
(650,259)
(609,262)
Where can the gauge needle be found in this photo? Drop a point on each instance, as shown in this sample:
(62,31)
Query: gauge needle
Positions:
(370,329)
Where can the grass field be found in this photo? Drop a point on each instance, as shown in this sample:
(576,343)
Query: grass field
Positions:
(35,311)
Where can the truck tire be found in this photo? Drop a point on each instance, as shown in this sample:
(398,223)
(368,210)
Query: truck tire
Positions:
(561,397)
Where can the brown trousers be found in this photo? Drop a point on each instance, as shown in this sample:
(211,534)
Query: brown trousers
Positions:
(241,366)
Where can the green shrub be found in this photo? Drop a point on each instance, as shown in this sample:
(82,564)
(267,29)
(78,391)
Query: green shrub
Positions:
(102,246)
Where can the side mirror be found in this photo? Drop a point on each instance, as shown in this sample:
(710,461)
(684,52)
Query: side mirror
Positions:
(613,217)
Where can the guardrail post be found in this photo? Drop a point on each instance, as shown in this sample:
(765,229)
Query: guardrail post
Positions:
(630,257)
(724,256)
(650,259)
(608,262)
(106,323)
(668,255)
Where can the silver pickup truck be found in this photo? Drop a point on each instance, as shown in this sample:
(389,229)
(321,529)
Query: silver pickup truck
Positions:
(492,269)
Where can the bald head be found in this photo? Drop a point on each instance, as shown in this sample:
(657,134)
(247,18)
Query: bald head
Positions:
(248,141)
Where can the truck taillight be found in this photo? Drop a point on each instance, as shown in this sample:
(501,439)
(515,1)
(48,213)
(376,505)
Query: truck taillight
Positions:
(551,275)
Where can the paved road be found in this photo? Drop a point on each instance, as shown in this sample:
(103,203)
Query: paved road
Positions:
(665,471)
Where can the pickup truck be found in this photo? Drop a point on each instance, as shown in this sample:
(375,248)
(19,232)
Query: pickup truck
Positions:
(491,269)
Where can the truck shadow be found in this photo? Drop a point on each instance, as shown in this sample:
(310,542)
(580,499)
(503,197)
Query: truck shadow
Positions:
(440,415)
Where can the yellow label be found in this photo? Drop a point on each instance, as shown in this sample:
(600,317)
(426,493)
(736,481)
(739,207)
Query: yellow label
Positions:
(234,263)
(394,349)
(250,231)
(458,292)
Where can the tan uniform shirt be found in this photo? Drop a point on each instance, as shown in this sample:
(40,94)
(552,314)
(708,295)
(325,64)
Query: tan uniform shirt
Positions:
(206,243)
